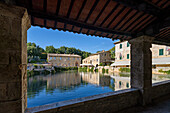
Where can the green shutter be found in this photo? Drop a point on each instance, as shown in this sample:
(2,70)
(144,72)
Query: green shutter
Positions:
(161,51)
(120,46)
(127,56)
(127,44)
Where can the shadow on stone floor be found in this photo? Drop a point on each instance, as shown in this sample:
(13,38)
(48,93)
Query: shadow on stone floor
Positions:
(161,105)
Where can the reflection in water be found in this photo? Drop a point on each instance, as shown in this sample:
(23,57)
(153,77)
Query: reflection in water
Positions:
(44,89)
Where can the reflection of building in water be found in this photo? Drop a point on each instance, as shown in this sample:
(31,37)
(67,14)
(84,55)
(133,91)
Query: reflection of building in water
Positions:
(95,78)
(121,82)
(63,80)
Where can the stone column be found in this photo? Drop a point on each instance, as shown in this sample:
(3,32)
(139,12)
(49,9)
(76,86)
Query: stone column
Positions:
(141,66)
(14,23)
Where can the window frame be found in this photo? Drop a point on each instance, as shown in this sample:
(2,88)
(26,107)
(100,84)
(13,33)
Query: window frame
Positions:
(161,52)
(120,46)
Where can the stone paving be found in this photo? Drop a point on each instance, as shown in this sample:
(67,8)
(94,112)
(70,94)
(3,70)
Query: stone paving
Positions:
(156,107)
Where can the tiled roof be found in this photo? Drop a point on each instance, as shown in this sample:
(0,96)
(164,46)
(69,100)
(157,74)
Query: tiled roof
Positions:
(115,19)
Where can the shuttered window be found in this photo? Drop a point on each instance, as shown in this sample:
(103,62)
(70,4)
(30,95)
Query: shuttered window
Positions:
(161,51)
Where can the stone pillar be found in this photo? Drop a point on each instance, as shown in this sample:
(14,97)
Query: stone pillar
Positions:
(14,23)
(141,66)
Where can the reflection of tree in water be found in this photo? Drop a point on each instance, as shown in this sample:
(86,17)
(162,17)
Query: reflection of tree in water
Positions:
(112,84)
(34,86)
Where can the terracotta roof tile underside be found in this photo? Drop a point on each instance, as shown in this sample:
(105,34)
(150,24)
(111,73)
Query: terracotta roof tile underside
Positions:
(105,18)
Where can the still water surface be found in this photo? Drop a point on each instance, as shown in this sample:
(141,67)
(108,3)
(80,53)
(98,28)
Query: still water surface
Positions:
(45,89)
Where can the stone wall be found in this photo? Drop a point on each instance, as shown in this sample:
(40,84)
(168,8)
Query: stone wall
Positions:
(160,89)
(14,22)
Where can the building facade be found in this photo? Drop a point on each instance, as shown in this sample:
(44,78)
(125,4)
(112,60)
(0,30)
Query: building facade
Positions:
(103,57)
(64,60)
(160,55)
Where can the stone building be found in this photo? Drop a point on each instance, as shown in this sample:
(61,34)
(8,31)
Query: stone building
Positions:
(103,57)
(160,55)
(64,60)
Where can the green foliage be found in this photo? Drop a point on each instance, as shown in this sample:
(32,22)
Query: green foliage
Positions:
(107,70)
(35,53)
(44,72)
(88,69)
(124,75)
(71,50)
(124,69)
(82,69)
(59,69)
(103,70)
(101,64)
(50,49)
(161,71)
(96,70)
(112,51)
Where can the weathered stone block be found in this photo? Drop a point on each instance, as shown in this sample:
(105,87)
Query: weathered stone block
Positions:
(10,91)
(10,73)
(11,107)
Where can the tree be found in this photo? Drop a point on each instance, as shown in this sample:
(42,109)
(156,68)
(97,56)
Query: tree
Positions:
(112,51)
(34,52)
(50,49)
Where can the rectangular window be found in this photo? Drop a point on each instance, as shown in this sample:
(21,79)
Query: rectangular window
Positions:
(77,58)
(127,56)
(127,44)
(50,58)
(54,58)
(68,58)
(97,60)
(161,52)
(120,46)
(60,58)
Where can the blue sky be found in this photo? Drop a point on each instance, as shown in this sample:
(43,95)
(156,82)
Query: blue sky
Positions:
(46,37)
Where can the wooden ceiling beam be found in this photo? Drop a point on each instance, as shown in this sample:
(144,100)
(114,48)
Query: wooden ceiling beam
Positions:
(58,6)
(94,6)
(141,5)
(76,23)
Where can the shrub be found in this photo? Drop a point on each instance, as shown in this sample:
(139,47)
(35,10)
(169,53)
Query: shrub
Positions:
(46,72)
(103,70)
(82,69)
(161,71)
(124,69)
(107,70)
(96,70)
(101,64)
(58,69)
